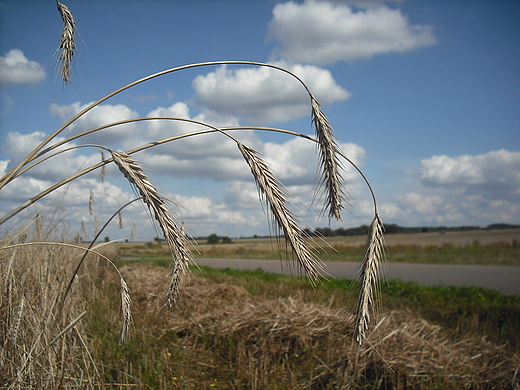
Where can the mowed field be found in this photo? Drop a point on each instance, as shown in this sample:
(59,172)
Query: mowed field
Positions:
(462,238)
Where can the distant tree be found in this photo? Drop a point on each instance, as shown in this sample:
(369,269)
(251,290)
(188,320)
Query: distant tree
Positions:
(325,232)
(225,240)
(107,239)
(213,239)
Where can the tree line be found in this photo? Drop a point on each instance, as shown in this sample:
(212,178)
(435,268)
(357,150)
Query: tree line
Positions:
(394,228)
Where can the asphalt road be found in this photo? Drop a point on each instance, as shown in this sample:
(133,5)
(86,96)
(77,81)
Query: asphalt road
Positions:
(505,279)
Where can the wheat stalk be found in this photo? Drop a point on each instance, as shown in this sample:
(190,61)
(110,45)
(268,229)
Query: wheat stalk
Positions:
(175,237)
(374,255)
(126,302)
(330,176)
(270,188)
(67,42)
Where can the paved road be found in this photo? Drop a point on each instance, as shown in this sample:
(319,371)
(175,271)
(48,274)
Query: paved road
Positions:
(505,279)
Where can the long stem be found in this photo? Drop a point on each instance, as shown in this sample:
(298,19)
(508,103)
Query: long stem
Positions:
(9,176)
(160,142)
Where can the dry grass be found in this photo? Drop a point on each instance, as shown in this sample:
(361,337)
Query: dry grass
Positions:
(221,336)
(41,346)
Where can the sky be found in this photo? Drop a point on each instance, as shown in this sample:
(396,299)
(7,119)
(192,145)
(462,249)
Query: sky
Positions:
(423,96)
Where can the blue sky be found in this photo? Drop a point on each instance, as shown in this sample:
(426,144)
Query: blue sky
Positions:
(423,95)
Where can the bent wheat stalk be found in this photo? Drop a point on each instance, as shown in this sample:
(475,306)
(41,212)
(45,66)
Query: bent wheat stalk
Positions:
(269,187)
(330,176)
(367,276)
(174,235)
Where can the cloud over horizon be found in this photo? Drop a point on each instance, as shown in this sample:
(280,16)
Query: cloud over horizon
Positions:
(493,175)
(469,190)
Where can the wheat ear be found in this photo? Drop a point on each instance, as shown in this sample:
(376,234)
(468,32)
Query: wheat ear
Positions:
(175,237)
(126,302)
(330,176)
(67,41)
(270,189)
(374,255)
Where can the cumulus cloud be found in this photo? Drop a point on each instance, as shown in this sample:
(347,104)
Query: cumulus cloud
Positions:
(323,32)
(264,95)
(18,146)
(494,175)
(98,116)
(449,209)
(205,210)
(15,68)
(295,160)
(467,190)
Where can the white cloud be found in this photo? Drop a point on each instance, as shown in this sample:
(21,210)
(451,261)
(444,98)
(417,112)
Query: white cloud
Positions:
(323,32)
(464,190)
(100,115)
(264,95)
(241,195)
(449,209)
(494,175)
(15,68)
(18,146)
(3,167)
(295,161)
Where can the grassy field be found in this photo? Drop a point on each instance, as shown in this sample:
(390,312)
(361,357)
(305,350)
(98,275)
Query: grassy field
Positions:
(497,247)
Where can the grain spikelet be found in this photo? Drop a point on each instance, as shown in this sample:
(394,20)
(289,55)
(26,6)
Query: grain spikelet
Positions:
(330,176)
(374,255)
(67,42)
(38,226)
(14,331)
(126,302)
(91,202)
(270,188)
(175,237)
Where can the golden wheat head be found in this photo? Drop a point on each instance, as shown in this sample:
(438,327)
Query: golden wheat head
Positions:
(374,255)
(270,189)
(331,178)
(67,42)
(175,236)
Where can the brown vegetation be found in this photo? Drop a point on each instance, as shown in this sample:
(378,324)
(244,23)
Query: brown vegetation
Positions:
(239,340)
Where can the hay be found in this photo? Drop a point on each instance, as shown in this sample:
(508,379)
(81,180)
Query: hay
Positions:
(261,337)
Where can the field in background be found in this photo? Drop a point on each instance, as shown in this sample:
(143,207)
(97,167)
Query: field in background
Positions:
(497,247)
